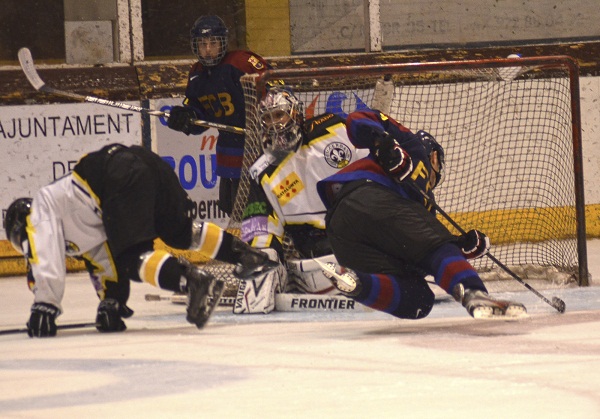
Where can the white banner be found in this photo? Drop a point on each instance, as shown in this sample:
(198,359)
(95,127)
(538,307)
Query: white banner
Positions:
(41,143)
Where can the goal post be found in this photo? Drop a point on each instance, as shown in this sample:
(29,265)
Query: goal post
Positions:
(511,132)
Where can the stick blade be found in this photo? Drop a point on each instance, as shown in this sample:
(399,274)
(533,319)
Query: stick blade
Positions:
(559,304)
(26,61)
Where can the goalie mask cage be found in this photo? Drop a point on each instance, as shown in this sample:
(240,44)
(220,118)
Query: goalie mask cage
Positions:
(511,133)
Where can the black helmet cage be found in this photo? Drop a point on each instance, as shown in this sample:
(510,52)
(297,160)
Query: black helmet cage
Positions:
(432,145)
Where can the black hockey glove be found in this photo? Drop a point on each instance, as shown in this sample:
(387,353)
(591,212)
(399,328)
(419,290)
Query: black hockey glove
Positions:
(110,314)
(474,244)
(393,159)
(41,322)
(180,119)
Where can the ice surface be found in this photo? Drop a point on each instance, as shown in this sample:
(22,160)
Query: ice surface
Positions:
(305,365)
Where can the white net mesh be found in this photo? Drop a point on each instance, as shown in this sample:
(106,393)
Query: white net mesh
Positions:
(507,131)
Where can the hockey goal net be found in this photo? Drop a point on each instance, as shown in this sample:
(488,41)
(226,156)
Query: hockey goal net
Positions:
(511,132)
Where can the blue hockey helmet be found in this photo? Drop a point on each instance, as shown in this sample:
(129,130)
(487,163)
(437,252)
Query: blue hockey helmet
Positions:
(436,156)
(15,222)
(209,39)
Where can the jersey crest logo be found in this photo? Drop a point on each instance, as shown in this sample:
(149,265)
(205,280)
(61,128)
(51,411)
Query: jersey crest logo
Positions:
(255,62)
(337,155)
(288,188)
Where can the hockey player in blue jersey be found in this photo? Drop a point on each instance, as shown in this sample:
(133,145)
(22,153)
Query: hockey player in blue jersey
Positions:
(214,93)
(385,234)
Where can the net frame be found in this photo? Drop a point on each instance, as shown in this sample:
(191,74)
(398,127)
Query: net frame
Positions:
(535,91)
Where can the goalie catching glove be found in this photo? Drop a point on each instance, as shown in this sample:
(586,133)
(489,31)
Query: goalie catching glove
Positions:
(474,244)
(391,157)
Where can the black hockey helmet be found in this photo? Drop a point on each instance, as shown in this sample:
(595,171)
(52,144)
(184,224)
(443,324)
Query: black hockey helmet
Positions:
(207,29)
(16,221)
(436,156)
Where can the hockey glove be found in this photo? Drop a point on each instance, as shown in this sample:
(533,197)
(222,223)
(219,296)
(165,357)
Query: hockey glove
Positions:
(180,119)
(110,314)
(42,323)
(474,244)
(392,158)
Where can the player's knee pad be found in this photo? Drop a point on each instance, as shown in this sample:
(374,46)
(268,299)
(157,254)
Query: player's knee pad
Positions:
(306,276)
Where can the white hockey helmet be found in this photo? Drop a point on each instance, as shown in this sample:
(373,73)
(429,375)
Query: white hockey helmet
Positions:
(281,117)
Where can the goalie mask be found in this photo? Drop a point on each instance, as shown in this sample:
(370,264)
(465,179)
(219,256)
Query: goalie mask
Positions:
(281,118)
(15,222)
(436,157)
(209,40)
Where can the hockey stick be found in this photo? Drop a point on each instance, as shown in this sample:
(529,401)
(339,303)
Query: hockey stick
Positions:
(26,61)
(58,327)
(556,302)
(224,301)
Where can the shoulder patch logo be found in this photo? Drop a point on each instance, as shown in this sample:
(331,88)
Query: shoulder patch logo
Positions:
(256,63)
(337,155)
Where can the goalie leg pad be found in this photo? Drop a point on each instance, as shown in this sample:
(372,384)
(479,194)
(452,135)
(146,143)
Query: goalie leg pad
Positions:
(306,276)
(257,293)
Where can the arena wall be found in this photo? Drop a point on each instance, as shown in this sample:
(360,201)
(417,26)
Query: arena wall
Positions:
(162,84)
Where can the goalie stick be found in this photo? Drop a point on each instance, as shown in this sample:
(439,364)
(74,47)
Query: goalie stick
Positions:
(58,327)
(26,61)
(556,302)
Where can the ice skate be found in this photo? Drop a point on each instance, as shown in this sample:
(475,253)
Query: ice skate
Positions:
(481,306)
(252,260)
(346,282)
(204,292)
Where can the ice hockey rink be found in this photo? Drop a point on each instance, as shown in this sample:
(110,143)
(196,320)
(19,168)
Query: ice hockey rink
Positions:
(305,364)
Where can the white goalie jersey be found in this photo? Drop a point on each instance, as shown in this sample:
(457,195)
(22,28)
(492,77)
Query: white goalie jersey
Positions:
(287,193)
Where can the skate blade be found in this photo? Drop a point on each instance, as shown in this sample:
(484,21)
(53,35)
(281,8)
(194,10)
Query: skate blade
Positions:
(339,281)
(211,303)
(513,313)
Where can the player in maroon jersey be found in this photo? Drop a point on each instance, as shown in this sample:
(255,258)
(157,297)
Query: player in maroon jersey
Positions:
(214,93)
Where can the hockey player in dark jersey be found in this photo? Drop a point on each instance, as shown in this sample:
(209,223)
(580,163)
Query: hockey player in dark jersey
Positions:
(283,199)
(386,236)
(214,93)
(108,212)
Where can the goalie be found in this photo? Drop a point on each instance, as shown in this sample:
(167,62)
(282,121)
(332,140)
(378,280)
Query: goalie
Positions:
(108,212)
(386,236)
(283,199)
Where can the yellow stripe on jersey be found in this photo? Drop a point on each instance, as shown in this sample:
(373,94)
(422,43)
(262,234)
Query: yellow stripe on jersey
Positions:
(211,238)
(30,230)
(151,265)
